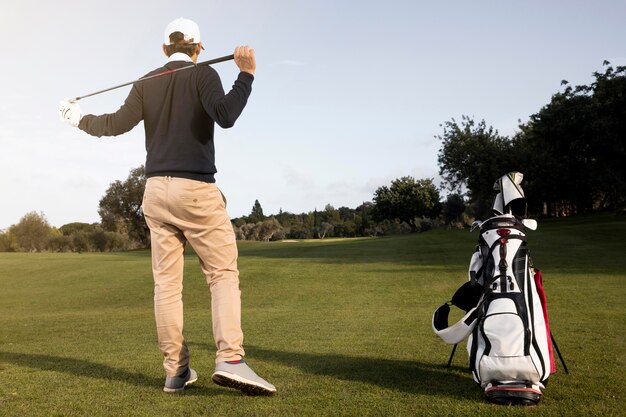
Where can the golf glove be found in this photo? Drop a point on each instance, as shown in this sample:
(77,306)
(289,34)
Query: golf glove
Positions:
(70,112)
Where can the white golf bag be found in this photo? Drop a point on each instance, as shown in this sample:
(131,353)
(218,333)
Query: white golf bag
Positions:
(506,325)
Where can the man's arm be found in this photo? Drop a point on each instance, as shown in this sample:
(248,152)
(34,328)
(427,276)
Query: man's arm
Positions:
(113,124)
(225,109)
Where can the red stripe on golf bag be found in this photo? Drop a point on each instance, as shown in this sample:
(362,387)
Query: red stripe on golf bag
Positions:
(544,305)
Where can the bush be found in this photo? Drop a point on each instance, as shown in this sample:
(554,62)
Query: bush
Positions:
(424,225)
(32,233)
(60,243)
(8,242)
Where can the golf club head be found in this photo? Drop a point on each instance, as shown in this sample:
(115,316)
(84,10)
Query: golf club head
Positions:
(530,224)
(475,224)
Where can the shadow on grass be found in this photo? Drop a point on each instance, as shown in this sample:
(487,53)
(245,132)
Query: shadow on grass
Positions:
(404,376)
(83,368)
(78,367)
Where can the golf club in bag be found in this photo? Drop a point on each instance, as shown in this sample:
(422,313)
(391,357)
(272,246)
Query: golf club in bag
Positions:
(509,343)
(209,62)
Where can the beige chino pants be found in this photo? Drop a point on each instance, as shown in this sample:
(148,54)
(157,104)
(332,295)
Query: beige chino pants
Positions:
(179,210)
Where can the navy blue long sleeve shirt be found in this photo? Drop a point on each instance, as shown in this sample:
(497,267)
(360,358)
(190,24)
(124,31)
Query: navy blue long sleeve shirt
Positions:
(179,111)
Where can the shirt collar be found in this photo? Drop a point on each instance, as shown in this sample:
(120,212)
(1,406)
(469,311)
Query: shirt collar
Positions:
(179,56)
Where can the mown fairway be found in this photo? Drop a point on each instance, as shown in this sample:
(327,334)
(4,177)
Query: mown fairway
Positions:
(341,327)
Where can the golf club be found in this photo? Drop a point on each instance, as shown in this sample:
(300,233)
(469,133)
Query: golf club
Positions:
(209,62)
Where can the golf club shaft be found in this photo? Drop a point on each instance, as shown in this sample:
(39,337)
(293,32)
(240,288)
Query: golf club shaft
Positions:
(209,62)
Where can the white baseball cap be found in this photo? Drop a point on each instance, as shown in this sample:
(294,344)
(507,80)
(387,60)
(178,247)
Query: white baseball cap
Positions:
(187,27)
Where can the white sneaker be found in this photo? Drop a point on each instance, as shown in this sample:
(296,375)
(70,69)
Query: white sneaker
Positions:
(238,375)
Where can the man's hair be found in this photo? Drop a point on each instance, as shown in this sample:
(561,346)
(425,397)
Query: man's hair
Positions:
(177,44)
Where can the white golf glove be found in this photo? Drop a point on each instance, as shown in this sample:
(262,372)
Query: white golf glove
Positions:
(70,112)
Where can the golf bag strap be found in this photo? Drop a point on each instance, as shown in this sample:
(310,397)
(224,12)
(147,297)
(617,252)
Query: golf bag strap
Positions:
(458,331)
(493,247)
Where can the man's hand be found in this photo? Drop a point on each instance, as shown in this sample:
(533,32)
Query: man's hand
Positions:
(244,58)
(70,112)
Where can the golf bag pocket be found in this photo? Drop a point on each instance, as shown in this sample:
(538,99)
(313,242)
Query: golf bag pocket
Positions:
(503,329)
(502,369)
(500,346)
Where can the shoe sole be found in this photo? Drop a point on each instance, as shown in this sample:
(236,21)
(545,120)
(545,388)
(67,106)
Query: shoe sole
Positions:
(170,390)
(246,386)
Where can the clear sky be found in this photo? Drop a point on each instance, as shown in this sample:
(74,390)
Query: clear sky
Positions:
(348,95)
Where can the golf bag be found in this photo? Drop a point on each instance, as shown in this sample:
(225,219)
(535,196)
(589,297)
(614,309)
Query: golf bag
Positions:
(506,320)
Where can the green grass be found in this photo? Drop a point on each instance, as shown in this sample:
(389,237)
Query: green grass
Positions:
(341,327)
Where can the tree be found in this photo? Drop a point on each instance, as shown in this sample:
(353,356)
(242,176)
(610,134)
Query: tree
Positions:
(76,227)
(80,242)
(256,215)
(330,215)
(362,218)
(120,208)
(575,147)
(7,242)
(268,228)
(453,208)
(249,231)
(99,240)
(33,232)
(473,156)
(82,237)
(609,146)
(407,199)
(324,228)
(60,243)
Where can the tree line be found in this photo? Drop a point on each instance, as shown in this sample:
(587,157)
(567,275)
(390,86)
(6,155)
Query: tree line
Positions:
(572,153)
(407,205)
(33,233)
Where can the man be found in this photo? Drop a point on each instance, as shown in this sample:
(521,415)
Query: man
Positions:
(181,201)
